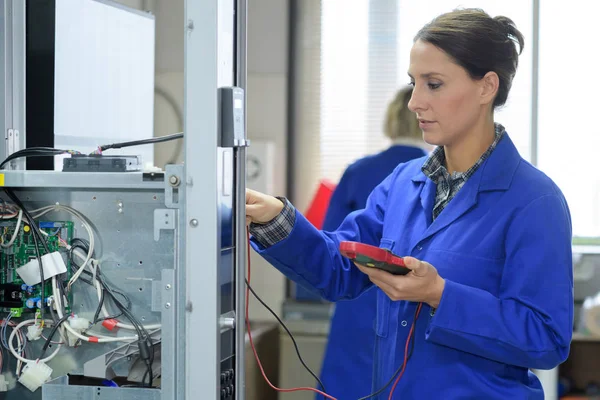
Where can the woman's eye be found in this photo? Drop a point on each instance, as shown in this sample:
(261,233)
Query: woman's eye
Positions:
(411,83)
(434,86)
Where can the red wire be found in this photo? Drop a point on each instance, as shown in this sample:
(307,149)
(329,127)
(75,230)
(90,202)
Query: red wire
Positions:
(252,343)
(412,329)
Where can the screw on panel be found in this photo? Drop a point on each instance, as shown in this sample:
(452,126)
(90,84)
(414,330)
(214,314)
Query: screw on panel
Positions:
(167,305)
(190,25)
(174,180)
(168,287)
(194,222)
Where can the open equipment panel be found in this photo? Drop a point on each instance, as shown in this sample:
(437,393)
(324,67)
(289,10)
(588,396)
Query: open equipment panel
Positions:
(130,285)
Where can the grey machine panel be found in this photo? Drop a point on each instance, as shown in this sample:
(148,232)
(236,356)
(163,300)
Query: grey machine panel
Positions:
(175,242)
(137,241)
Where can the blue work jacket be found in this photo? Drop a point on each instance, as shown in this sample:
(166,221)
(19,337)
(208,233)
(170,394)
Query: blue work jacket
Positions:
(351,341)
(503,246)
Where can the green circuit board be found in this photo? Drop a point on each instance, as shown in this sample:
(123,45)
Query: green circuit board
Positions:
(14,294)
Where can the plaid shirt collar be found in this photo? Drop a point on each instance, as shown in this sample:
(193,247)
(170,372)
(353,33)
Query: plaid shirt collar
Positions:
(434,167)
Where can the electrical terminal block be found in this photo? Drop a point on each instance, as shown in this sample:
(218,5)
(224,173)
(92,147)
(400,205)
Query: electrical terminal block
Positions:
(34,332)
(3,384)
(16,312)
(34,375)
(78,323)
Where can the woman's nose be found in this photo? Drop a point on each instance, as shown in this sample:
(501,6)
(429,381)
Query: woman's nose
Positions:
(414,104)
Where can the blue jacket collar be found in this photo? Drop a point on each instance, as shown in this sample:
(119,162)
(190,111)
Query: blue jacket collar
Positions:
(496,172)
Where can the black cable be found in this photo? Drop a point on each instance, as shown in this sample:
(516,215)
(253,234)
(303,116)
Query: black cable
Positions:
(51,335)
(410,353)
(32,152)
(289,334)
(149,363)
(53,315)
(83,245)
(100,304)
(50,151)
(63,294)
(145,345)
(158,139)
(100,279)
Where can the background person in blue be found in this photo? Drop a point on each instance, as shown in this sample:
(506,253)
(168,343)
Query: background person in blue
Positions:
(351,342)
(486,235)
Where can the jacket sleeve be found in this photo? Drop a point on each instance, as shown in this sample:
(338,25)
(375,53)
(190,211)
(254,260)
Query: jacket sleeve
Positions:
(311,257)
(530,323)
(339,205)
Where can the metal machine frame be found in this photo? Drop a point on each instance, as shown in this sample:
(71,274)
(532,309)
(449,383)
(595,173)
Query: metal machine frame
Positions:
(193,282)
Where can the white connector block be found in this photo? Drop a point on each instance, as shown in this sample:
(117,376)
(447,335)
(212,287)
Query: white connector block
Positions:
(34,332)
(34,375)
(3,384)
(78,323)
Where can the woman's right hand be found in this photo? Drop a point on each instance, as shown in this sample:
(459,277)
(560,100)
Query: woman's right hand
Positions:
(261,208)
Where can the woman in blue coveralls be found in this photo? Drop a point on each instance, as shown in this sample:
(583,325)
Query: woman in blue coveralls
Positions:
(351,341)
(486,235)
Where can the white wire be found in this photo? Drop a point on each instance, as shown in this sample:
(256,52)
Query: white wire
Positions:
(12,348)
(101,339)
(13,211)
(15,233)
(120,324)
(93,267)
(98,287)
(58,207)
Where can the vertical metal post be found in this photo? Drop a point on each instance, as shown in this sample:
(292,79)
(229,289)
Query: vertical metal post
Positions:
(240,199)
(202,336)
(12,79)
(535,66)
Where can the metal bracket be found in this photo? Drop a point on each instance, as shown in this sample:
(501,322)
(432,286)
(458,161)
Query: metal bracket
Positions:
(12,137)
(163,219)
(173,180)
(100,367)
(171,350)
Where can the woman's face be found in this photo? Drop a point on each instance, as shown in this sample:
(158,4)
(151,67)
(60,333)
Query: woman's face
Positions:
(448,103)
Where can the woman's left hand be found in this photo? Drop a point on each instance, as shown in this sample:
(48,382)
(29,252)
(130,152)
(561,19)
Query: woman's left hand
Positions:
(421,284)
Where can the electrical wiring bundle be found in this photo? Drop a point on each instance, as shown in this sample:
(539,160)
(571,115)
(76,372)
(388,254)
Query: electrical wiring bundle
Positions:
(47,291)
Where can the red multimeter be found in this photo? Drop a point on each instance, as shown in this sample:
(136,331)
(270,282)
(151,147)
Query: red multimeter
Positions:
(374,257)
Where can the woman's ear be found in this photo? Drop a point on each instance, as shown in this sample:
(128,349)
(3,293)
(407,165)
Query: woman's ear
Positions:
(489,87)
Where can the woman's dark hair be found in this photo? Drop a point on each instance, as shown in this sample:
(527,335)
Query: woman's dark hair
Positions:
(479,44)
